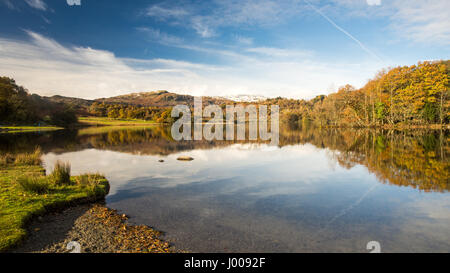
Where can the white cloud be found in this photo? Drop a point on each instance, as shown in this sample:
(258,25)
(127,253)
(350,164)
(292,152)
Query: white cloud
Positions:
(373,2)
(423,21)
(202,27)
(46,67)
(37,4)
(165,13)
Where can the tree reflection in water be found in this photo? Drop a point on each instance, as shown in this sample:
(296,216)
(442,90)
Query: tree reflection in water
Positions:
(412,158)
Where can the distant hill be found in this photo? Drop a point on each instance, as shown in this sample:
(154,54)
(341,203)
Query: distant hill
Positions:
(160,99)
(69,100)
(154,99)
(80,106)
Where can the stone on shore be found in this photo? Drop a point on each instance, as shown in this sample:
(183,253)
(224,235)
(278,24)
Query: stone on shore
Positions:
(185,158)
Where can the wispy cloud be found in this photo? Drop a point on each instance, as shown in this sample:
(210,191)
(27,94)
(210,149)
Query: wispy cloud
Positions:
(15,5)
(419,21)
(168,64)
(164,13)
(45,66)
(416,20)
(37,4)
(279,52)
(244,40)
(248,13)
(373,2)
(423,21)
(226,13)
(159,36)
(202,26)
(370,52)
(7,3)
(46,20)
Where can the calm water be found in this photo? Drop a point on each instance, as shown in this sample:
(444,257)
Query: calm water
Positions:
(318,191)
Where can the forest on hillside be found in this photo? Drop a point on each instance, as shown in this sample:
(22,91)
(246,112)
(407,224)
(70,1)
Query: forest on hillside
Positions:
(19,107)
(416,95)
(126,111)
(400,96)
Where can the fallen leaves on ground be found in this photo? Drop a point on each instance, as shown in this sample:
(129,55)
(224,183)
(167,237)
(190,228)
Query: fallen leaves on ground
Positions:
(130,238)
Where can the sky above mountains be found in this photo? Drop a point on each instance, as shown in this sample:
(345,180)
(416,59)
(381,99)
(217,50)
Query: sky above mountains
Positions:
(290,48)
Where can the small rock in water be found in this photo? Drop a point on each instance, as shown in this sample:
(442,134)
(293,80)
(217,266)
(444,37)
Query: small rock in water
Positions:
(160,161)
(185,158)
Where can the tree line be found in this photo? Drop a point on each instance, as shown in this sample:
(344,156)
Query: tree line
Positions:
(125,111)
(404,95)
(416,95)
(18,107)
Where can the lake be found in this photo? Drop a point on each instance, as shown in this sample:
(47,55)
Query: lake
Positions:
(319,190)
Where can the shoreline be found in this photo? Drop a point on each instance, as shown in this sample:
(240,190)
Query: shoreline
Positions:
(381,127)
(95,228)
(28,196)
(27,193)
(24,129)
(104,121)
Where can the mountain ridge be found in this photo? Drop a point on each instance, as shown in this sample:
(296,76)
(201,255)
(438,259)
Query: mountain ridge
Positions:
(159,98)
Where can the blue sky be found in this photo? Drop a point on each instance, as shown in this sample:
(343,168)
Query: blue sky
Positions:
(291,48)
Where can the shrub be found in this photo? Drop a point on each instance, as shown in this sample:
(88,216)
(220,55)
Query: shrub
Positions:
(6,159)
(89,179)
(34,184)
(61,173)
(33,158)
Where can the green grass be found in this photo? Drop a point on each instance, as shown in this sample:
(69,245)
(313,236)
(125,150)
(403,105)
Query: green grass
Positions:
(34,184)
(20,129)
(101,121)
(93,130)
(33,158)
(61,173)
(25,192)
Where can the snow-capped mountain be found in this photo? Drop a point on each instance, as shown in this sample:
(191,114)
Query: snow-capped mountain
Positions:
(244,98)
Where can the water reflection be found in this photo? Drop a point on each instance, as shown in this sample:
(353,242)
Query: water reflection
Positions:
(319,190)
(418,159)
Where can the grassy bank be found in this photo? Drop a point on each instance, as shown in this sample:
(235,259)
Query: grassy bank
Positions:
(412,127)
(21,129)
(26,192)
(101,121)
(94,130)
